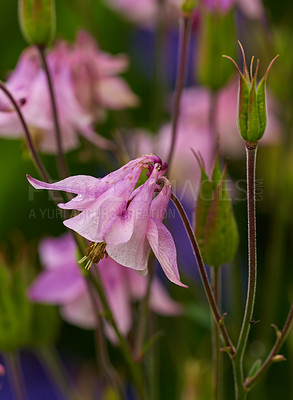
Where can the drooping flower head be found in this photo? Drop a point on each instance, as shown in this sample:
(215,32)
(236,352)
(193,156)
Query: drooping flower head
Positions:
(120,219)
(62,283)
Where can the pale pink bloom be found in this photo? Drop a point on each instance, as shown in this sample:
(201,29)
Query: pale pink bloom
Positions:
(120,220)
(62,283)
(37,108)
(85,84)
(94,75)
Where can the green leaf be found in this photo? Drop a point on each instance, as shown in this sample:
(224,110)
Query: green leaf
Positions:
(256,366)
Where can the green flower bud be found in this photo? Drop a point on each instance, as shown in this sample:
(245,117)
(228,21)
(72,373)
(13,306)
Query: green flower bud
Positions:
(252,110)
(215,229)
(216,35)
(187,7)
(37,21)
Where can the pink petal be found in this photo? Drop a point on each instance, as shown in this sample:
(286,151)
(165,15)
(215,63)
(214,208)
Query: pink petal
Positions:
(57,252)
(114,93)
(115,284)
(161,302)
(162,244)
(134,253)
(80,311)
(80,184)
(57,286)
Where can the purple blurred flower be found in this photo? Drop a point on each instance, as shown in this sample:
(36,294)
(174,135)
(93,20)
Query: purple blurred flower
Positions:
(120,220)
(62,283)
(85,85)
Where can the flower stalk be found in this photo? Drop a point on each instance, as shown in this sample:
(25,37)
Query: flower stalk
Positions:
(28,137)
(281,337)
(217,357)
(229,347)
(60,152)
(185,29)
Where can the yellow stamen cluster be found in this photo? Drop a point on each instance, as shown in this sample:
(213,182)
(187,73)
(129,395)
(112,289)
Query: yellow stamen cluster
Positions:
(94,253)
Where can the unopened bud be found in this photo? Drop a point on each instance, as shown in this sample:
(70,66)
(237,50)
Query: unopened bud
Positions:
(37,20)
(252,111)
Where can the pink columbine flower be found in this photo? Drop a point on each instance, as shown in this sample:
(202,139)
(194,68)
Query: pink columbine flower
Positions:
(120,220)
(94,76)
(85,85)
(62,283)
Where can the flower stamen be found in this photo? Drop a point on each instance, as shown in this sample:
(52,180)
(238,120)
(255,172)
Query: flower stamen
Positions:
(94,253)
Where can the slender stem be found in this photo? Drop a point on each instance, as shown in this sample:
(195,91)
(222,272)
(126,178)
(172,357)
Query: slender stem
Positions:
(217,356)
(60,152)
(158,83)
(28,137)
(14,370)
(249,383)
(185,28)
(50,359)
(101,346)
(240,392)
(144,312)
(133,367)
(251,150)
(205,280)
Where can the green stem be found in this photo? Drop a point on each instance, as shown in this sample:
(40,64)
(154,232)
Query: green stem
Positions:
(205,280)
(60,152)
(158,85)
(241,391)
(133,367)
(249,383)
(14,370)
(216,344)
(251,150)
(27,134)
(185,28)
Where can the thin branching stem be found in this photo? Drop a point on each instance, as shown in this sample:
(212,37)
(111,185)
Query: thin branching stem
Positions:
(205,280)
(29,141)
(58,136)
(185,28)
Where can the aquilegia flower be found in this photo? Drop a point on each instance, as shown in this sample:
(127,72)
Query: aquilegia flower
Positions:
(62,283)
(85,84)
(120,219)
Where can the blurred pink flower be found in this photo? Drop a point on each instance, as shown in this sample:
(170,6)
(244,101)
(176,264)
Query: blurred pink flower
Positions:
(95,80)
(62,283)
(251,8)
(85,85)
(120,220)
(219,5)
